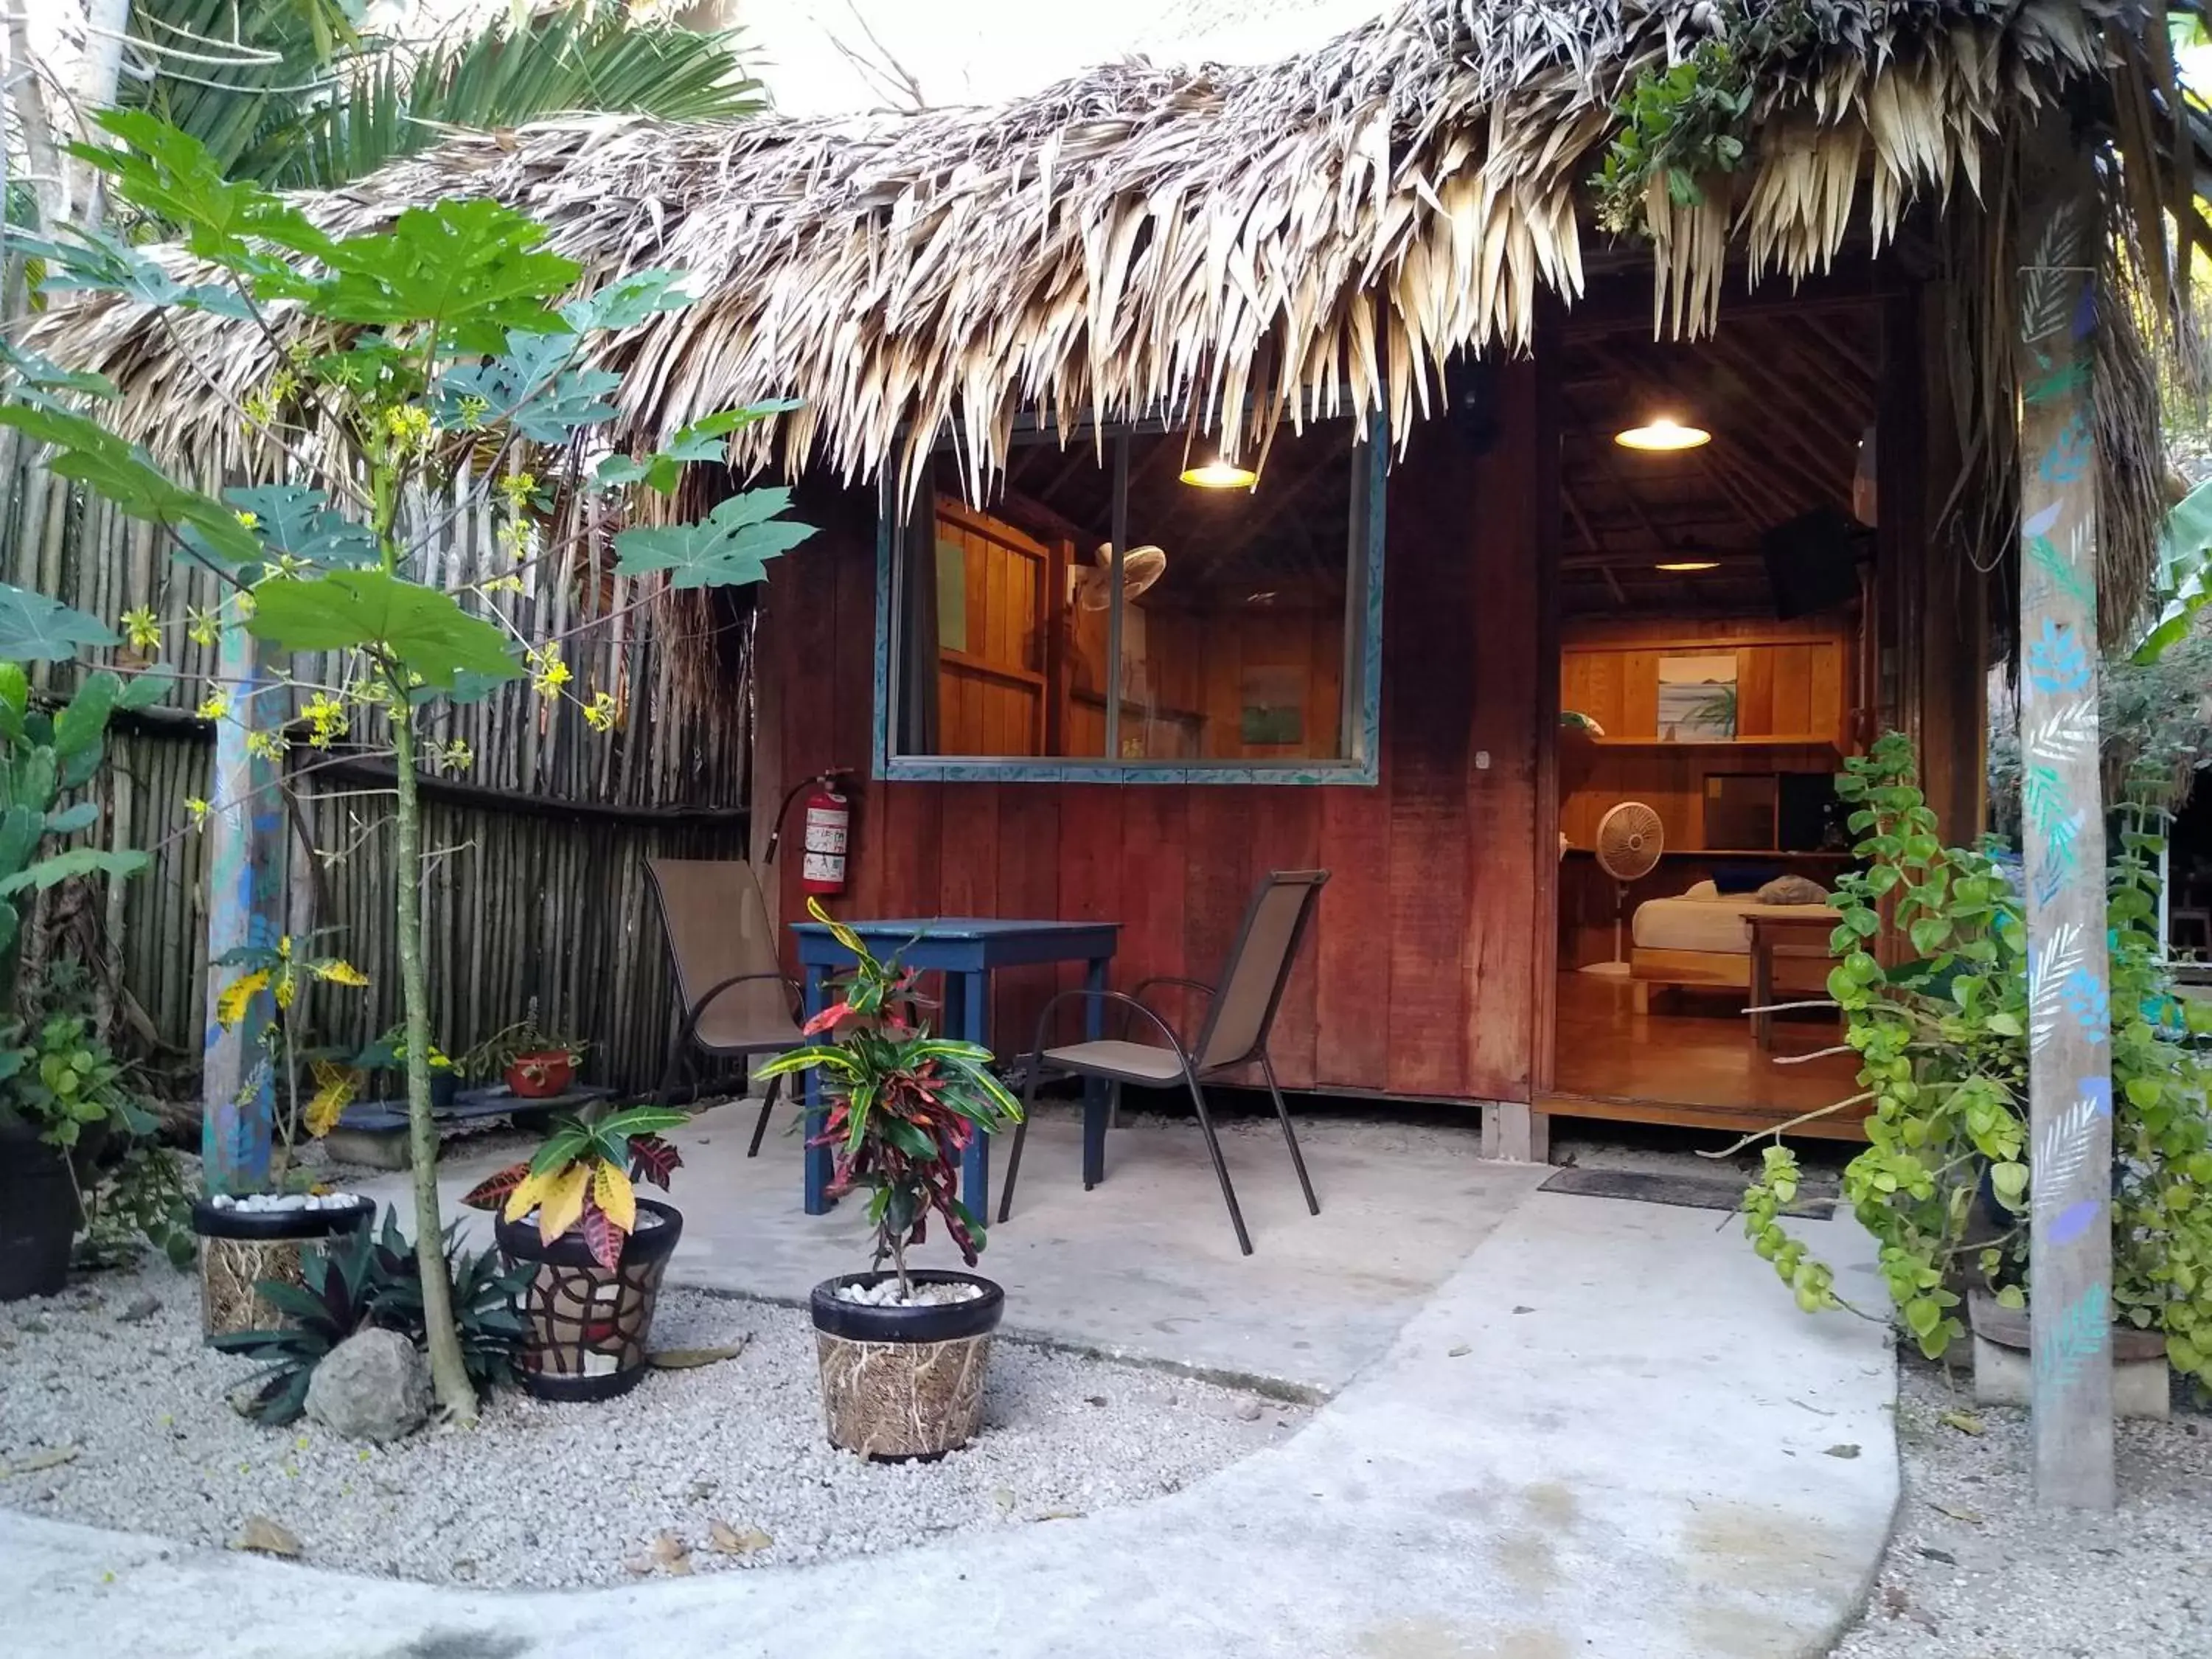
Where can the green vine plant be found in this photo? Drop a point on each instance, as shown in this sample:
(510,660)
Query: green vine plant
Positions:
(1688,124)
(438,361)
(1942,1030)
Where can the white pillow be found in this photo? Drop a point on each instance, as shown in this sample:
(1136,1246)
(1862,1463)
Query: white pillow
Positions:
(1703,889)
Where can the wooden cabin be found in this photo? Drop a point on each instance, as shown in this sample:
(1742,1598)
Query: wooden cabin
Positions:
(1223,470)
(1360,662)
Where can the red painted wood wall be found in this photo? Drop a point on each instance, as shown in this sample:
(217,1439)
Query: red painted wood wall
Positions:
(1421,975)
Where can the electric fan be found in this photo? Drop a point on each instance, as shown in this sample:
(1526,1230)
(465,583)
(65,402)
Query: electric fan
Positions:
(1141,568)
(1630,838)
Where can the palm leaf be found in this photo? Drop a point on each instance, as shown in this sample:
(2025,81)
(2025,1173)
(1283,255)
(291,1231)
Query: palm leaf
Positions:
(574,59)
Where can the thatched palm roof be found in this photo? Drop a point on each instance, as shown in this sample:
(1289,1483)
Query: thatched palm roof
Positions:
(1143,240)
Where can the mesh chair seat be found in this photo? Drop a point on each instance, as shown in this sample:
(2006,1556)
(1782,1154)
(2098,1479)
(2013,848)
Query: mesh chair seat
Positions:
(727,1026)
(1123,1062)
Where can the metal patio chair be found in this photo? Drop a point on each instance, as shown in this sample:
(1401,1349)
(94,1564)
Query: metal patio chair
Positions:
(1240,1011)
(737,1001)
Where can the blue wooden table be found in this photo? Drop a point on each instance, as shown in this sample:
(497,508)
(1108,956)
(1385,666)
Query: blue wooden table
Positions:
(966,950)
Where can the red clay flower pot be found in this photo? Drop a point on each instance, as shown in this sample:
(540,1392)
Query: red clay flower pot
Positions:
(542,1075)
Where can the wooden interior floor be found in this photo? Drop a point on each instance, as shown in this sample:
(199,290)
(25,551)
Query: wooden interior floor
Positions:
(1691,1060)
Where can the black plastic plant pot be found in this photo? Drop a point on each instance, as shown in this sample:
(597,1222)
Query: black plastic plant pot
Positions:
(902,1384)
(240,1249)
(588,1328)
(38,1214)
(945,1322)
(262,1225)
(445,1089)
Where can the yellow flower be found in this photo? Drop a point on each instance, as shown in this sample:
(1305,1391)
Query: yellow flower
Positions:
(249,519)
(599,713)
(265,745)
(142,630)
(548,673)
(216,706)
(199,810)
(247,606)
(326,720)
(457,757)
(203,626)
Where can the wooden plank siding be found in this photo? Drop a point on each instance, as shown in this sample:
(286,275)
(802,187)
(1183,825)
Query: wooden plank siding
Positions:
(1418,976)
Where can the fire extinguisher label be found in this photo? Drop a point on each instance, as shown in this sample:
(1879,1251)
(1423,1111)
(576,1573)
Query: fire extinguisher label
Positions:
(823,866)
(824,833)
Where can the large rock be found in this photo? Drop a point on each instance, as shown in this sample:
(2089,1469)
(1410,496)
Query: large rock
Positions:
(373,1386)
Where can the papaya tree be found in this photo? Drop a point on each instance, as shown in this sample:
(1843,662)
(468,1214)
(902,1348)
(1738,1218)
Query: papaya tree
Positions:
(441,361)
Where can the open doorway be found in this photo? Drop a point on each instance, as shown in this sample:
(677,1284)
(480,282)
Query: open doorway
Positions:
(1716,598)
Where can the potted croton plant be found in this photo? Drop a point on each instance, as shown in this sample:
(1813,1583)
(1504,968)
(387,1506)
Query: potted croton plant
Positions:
(902,1352)
(250,1239)
(600,1249)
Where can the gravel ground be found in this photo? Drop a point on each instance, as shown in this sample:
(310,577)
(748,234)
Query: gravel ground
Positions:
(720,1466)
(1975,1570)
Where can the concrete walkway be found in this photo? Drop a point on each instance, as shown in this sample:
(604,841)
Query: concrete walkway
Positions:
(1607,1434)
(1143,1266)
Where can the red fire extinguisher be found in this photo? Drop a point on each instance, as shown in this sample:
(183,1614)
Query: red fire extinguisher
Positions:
(827,839)
(828,827)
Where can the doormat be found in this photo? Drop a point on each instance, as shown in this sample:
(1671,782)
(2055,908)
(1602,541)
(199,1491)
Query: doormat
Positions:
(1687,1191)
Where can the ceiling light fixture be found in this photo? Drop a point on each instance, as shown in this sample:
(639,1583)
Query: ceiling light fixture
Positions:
(1689,564)
(1662,433)
(1218,474)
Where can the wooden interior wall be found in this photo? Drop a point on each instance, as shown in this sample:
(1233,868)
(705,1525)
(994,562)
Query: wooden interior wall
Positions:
(1418,978)
(1023,672)
(1793,682)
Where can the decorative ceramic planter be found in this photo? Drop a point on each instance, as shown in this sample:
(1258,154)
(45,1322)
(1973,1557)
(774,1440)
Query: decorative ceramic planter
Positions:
(587,1327)
(541,1075)
(38,1214)
(2004,1366)
(903,1381)
(240,1247)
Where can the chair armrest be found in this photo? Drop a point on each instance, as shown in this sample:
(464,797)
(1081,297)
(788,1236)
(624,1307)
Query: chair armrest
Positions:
(1137,991)
(691,1015)
(1124,1000)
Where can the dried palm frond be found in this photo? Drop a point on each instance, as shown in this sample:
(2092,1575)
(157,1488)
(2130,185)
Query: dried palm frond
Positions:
(1328,230)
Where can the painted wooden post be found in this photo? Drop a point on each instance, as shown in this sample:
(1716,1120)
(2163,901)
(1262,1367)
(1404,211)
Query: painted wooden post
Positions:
(245,898)
(2063,836)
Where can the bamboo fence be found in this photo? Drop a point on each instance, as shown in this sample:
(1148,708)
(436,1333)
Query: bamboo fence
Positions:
(536,885)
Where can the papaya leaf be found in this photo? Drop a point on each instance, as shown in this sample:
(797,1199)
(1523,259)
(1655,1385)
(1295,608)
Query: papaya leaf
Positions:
(36,628)
(422,629)
(294,519)
(472,269)
(88,453)
(732,545)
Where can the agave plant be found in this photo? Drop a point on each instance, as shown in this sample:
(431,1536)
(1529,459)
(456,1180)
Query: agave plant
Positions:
(583,1176)
(362,1279)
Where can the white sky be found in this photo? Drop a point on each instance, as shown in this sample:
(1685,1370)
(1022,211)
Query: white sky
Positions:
(984,50)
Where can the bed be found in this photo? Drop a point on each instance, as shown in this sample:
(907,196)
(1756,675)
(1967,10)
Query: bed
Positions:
(1699,941)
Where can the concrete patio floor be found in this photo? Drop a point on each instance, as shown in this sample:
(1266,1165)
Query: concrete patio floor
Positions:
(1602,1432)
(1145,1265)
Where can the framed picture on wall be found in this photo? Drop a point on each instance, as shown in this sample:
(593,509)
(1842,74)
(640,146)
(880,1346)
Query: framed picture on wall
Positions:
(1274,705)
(1697,698)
